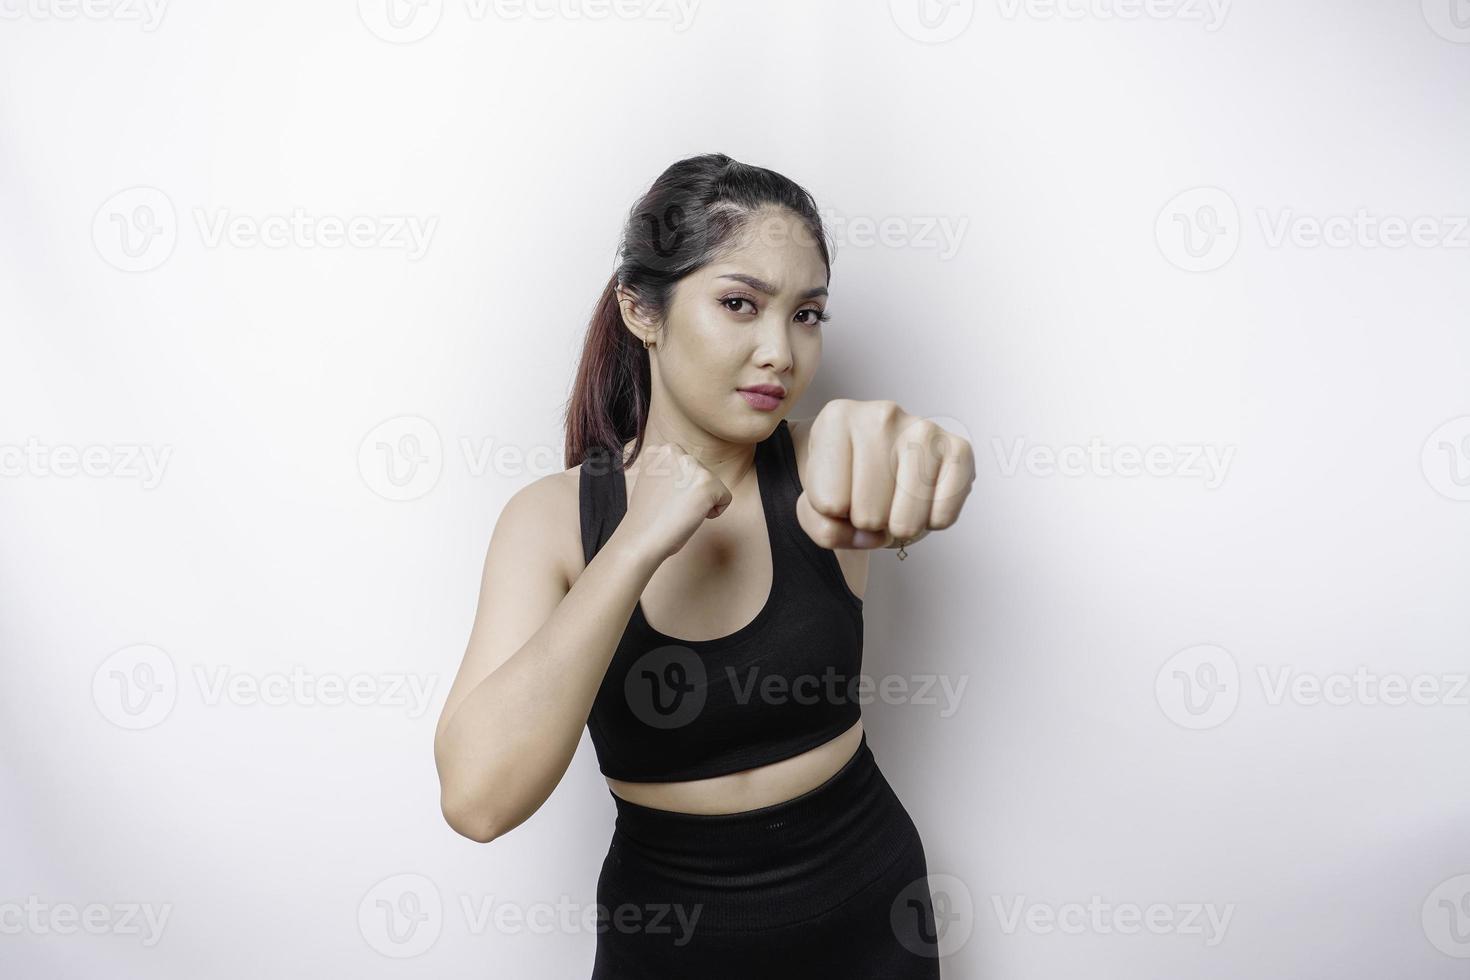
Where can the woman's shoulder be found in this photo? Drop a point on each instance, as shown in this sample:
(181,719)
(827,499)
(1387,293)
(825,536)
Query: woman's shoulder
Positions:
(547,509)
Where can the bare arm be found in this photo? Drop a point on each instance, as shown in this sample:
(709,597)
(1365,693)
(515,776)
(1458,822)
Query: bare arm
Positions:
(537,654)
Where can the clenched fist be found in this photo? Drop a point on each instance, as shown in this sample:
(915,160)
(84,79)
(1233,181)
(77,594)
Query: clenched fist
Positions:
(876,476)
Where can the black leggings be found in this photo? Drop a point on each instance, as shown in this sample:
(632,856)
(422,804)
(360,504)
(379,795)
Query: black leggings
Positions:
(831,883)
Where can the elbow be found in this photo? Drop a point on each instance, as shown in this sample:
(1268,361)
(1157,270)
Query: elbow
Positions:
(471,819)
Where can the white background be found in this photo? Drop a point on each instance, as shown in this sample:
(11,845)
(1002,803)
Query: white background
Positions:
(1082,298)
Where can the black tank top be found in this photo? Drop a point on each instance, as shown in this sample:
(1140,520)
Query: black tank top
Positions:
(787,681)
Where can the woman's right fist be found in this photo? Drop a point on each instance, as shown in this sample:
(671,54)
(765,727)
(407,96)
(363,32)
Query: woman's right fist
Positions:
(673,494)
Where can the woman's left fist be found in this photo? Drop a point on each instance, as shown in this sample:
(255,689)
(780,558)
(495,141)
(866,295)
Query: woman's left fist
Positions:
(876,476)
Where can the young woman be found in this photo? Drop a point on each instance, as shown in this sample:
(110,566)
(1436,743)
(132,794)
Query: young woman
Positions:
(690,590)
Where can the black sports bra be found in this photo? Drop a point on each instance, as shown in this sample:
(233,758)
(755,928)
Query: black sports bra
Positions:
(787,681)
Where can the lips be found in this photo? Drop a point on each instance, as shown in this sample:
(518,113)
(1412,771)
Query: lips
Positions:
(774,391)
(763,398)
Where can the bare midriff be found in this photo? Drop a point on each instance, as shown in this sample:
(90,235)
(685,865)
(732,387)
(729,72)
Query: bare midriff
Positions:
(748,789)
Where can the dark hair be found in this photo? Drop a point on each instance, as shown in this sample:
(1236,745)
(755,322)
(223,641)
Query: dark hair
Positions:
(691,215)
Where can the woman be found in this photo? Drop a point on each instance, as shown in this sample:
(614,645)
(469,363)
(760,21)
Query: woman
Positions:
(706,623)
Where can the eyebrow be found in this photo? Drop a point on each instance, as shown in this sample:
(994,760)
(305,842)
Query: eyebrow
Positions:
(770,290)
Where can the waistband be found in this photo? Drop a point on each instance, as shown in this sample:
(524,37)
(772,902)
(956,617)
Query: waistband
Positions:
(773,864)
(845,805)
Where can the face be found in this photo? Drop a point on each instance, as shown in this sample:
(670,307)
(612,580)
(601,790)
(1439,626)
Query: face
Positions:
(750,318)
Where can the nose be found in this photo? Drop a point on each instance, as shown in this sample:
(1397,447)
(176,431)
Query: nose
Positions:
(773,346)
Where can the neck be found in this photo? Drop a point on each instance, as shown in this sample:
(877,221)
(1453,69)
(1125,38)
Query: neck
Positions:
(730,462)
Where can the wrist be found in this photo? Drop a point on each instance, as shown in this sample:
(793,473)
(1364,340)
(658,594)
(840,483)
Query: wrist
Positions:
(631,554)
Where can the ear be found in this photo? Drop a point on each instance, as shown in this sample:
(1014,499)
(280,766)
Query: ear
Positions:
(635,318)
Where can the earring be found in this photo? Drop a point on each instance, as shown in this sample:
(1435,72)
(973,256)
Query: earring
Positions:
(646,344)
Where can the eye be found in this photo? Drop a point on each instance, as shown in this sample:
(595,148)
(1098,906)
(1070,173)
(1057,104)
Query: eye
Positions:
(818,316)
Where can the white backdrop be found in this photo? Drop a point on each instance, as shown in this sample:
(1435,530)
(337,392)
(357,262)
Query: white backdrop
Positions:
(290,304)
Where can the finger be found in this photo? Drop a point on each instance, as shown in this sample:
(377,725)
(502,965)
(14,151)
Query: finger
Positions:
(920,452)
(872,481)
(830,532)
(722,500)
(956,477)
(828,485)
